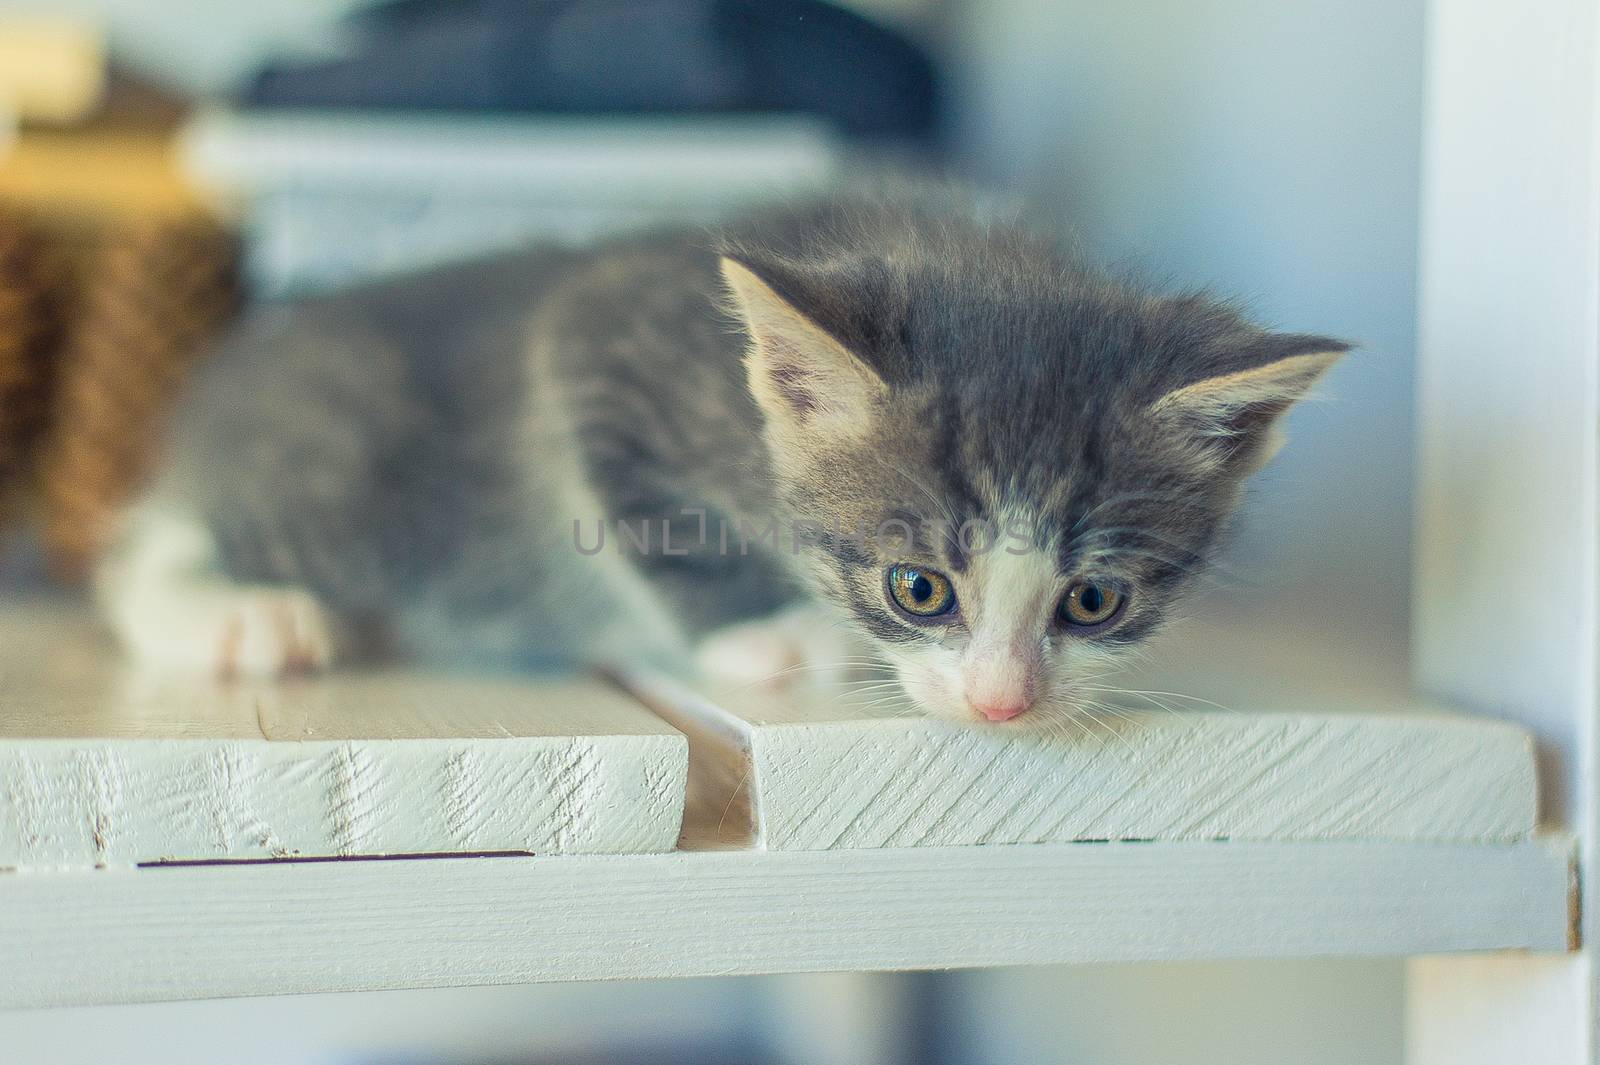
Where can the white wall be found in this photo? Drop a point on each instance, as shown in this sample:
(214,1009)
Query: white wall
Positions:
(1269,148)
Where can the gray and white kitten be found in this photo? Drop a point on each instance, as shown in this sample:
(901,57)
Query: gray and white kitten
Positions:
(886,424)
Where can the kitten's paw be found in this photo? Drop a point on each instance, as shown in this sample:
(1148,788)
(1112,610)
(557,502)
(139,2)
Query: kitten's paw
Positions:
(173,610)
(269,632)
(802,646)
(243,631)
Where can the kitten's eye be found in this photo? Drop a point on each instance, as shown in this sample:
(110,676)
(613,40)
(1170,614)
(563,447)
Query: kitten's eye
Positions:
(923,592)
(1087,605)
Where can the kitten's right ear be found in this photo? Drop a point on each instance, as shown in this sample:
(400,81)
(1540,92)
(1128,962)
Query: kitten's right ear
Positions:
(800,375)
(1230,420)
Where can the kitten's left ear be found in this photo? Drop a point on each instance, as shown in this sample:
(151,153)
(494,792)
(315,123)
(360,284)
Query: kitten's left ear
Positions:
(805,380)
(1232,417)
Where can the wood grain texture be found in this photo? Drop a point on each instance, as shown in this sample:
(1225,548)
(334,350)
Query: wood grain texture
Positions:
(823,776)
(123,935)
(103,767)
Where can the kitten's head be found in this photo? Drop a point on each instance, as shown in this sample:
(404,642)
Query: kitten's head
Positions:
(1004,467)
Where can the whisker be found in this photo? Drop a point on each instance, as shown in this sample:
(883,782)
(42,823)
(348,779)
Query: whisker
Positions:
(843,665)
(942,506)
(1170,695)
(723,820)
(1128,497)
(1091,711)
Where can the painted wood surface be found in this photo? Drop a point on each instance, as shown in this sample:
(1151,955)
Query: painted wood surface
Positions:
(103,767)
(821,775)
(124,935)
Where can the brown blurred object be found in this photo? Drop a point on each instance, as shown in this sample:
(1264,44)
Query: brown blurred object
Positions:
(153,294)
(114,273)
(120,162)
(30,313)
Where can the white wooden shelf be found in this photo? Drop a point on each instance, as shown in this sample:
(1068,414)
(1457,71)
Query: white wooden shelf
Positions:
(101,766)
(91,936)
(819,773)
(135,865)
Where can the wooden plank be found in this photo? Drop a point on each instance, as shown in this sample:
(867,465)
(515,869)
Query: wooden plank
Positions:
(820,774)
(654,159)
(103,767)
(128,935)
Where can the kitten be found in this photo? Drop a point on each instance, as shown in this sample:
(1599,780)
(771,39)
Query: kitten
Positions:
(888,425)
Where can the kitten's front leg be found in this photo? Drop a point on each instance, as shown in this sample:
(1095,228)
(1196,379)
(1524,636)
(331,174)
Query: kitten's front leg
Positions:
(744,615)
(804,645)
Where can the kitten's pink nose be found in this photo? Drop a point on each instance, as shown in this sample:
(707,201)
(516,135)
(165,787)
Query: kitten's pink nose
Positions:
(1001,710)
(1000,686)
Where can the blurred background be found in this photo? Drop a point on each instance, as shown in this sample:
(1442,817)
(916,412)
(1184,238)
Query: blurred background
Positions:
(165,162)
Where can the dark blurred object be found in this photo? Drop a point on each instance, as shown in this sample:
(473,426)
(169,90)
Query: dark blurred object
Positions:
(114,270)
(623,57)
(153,294)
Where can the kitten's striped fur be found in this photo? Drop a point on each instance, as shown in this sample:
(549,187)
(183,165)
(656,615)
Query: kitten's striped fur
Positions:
(409,458)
